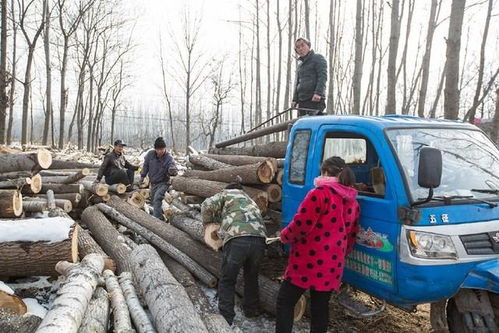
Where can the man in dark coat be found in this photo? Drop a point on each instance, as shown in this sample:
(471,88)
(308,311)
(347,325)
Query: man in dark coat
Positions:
(159,165)
(311,77)
(115,168)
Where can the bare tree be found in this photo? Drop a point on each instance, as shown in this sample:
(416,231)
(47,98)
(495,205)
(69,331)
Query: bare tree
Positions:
(495,132)
(49,117)
(307,19)
(432,25)
(470,115)
(164,90)
(391,101)
(357,74)
(258,89)
(289,55)
(269,110)
(13,73)
(24,11)
(3,71)
(451,91)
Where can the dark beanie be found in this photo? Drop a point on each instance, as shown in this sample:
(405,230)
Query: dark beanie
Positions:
(159,143)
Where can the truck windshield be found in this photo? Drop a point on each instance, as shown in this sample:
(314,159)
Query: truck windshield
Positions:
(470,160)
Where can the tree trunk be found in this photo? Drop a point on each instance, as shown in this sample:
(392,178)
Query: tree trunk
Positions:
(207,162)
(107,237)
(168,248)
(58,188)
(74,198)
(167,300)
(256,134)
(139,316)
(279,59)
(99,189)
(63,92)
(193,227)
(275,149)
(274,191)
(60,164)
(495,132)
(35,184)
(40,205)
(87,245)
(208,188)
(30,161)
(97,314)
(213,321)
(358,62)
(69,307)
(237,160)
(259,173)
(3,70)
(121,317)
(187,210)
(11,203)
(12,303)
(137,200)
(391,103)
(19,257)
(289,57)
(451,91)
(48,75)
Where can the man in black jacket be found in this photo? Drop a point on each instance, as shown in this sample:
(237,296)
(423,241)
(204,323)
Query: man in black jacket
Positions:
(311,77)
(115,168)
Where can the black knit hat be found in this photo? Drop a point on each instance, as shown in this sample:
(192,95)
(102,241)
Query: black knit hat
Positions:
(159,143)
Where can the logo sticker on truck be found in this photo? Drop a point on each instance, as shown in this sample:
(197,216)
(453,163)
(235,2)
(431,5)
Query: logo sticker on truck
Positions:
(374,240)
(371,266)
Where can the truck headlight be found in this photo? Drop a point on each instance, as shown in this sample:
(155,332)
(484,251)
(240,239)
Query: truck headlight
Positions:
(431,246)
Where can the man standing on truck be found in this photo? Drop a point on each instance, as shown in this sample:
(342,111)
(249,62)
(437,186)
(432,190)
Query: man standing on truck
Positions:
(159,165)
(243,234)
(311,77)
(115,168)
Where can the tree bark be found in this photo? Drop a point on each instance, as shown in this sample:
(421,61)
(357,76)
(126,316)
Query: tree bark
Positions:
(121,317)
(274,191)
(495,132)
(87,245)
(23,258)
(358,62)
(11,203)
(190,212)
(107,237)
(259,173)
(57,188)
(97,314)
(238,160)
(207,162)
(165,246)
(256,134)
(117,188)
(139,316)
(451,90)
(31,161)
(40,205)
(48,75)
(208,188)
(391,103)
(3,71)
(69,307)
(60,164)
(167,300)
(19,183)
(193,227)
(99,189)
(275,149)
(74,198)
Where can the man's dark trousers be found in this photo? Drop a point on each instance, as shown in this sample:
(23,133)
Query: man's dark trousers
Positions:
(123,176)
(241,252)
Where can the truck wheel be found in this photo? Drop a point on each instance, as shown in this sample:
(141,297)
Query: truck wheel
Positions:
(471,322)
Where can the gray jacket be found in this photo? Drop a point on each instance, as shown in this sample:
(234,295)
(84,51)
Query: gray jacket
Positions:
(311,77)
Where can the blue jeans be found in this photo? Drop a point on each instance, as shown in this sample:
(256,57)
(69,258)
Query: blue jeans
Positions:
(158,194)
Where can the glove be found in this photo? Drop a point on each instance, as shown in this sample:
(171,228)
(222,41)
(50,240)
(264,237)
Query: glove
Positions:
(172,171)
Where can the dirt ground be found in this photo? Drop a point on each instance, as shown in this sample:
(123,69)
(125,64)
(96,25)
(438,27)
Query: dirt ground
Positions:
(392,320)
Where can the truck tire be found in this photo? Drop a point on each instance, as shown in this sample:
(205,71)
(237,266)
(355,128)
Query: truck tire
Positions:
(469,322)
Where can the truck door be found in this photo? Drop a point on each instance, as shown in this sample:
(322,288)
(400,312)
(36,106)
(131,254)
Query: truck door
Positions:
(372,264)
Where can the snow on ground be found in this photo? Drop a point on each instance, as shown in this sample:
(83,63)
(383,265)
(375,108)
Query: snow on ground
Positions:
(52,229)
(34,308)
(6,288)
(261,324)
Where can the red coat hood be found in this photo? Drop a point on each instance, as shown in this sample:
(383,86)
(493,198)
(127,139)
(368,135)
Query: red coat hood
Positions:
(345,192)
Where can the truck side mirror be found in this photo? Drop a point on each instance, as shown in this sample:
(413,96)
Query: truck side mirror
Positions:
(430,167)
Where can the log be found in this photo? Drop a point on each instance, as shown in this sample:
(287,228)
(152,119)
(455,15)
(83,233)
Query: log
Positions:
(75,198)
(11,203)
(273,149)
(96,188)
(71,178)
(211,236)
(274,191)
(168,248)
(145,192)
(259,173)
(210,260)
(12,303)
(207,162)
(69,307)
(279,176)
(34,184)
(257,133)
(107,237)
(168,302)
(15,175)
(117,188)
(213,321)
(97,314)
(136,199)
(35,204)
(87,245)
(29,161)
(37,249)
(241,159)
(275,206)
(191,226)
(275,215)
(66,172)
(192,199)
(121,317)
(10,322)
(187,210)
(139,316)
(61,164)
(208,188)
(57,188)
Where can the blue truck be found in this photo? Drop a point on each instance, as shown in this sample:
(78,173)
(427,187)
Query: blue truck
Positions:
(429,227)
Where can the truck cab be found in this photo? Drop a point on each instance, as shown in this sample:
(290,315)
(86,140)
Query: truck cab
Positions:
(417,244)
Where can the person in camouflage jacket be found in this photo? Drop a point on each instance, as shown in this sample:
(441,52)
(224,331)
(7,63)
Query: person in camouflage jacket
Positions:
(243,234)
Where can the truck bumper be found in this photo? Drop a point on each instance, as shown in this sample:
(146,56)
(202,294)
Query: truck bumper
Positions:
(483,276)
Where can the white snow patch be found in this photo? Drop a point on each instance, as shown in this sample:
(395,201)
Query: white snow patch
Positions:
(41,283)
(6,288)
(51,229)
(34,308)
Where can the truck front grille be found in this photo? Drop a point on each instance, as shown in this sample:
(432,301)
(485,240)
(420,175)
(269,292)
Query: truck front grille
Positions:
(481,244)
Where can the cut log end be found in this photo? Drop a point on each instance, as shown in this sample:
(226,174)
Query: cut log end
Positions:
(137,200)
(17,203)
(11,203)
(211,237)
(44,158)
(36,183)
(300,308)
(13,303)
(265,172)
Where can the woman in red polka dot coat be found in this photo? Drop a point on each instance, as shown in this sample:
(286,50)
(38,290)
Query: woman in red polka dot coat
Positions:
(321,235)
